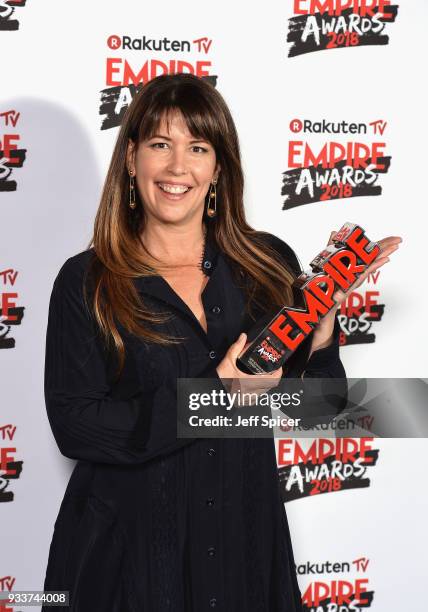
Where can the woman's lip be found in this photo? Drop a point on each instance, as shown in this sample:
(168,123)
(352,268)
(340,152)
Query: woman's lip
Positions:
(173,196)
(174,184)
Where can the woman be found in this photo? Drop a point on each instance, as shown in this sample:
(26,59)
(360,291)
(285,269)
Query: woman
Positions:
(150,522)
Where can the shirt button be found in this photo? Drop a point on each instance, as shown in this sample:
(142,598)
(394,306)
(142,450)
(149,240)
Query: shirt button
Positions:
(207,264)
(211,452)
(216,309)
(211,551)
(210,501)
(213,602)
(212,354)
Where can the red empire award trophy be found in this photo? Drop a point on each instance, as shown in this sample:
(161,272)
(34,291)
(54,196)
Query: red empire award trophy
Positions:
(338,266)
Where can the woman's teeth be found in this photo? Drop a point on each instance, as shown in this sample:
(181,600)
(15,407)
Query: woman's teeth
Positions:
(173,188)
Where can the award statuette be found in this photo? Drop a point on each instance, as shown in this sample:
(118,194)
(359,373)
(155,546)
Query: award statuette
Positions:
(338,266)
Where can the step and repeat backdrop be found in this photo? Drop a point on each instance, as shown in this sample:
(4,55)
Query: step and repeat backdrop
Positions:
(328,98)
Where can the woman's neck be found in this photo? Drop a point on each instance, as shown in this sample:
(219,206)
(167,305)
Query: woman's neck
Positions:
(174,245)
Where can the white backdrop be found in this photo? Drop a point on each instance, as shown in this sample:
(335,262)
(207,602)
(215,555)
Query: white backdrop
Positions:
(53,69)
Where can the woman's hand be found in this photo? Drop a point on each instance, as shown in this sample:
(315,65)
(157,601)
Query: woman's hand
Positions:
(387,247)
(247,383)
(323,332)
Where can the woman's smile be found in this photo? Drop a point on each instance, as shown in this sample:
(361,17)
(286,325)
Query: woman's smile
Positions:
(173,191)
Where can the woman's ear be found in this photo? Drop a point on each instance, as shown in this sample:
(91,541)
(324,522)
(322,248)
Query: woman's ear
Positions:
(130,156)
(217,172)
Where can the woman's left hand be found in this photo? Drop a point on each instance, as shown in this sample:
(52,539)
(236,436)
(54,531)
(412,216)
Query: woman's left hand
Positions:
(387,247)
(323,333)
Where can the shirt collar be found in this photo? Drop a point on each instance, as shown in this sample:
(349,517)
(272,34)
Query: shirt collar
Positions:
(156,286)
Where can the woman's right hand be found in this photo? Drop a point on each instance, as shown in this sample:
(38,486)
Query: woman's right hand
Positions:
(251,383)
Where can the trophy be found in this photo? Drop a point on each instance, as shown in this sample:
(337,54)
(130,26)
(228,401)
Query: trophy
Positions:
(338,266)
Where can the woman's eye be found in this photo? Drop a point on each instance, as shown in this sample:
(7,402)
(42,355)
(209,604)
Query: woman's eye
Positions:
(200,149)
(164,145)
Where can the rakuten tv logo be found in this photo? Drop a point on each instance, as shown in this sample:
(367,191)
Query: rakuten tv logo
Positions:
(7,14)
(348,593)
(145,43)
(10,467)
(11,156)
(337,168)
(332,24)
(325,466)
(125,74)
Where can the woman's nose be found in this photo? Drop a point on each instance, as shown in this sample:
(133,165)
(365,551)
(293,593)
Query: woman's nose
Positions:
(177,162)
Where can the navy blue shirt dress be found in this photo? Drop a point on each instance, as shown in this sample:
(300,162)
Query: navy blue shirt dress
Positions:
(151,522)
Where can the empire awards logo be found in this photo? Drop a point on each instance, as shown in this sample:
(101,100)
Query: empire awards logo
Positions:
(10,314)
(324,465)
(10,467)
(133,61)
(361,310)
(11,155)
(331,24)
(338,165)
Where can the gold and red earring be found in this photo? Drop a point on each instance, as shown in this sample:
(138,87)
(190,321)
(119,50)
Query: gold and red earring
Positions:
(212,200)
(132,202)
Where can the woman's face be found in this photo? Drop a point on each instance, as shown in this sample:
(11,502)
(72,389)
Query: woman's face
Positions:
(173,172)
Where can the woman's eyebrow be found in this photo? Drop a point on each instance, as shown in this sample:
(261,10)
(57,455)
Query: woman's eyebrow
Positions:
(168,138)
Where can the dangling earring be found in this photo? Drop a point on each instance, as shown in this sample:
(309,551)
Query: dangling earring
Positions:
(132,203)
(212,199)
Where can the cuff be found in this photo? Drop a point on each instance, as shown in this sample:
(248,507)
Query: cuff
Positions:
(325,362)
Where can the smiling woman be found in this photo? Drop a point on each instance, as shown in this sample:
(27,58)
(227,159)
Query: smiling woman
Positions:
(172,278)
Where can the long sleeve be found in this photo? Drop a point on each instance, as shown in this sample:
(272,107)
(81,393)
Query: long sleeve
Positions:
(88,419)
(326,362)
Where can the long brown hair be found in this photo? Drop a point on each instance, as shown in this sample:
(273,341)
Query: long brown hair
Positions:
(117,229)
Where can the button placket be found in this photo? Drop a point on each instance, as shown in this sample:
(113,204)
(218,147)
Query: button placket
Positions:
(211,541)
(210,470)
